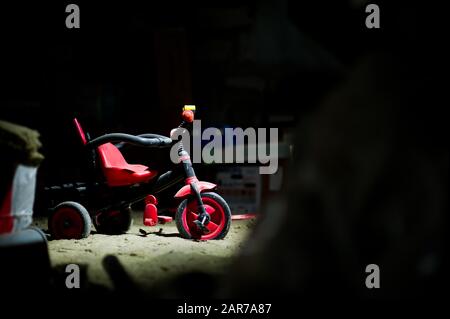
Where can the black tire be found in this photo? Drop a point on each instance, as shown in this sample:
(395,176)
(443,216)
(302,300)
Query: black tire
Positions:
(69,220)
(113,222)
(185,233)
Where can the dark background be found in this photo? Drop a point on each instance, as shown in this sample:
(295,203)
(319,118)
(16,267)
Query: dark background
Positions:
(130,67)
(366,108)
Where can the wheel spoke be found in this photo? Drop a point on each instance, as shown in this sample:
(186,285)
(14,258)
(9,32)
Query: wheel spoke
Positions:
(212,226)
(192,215)
(210,210)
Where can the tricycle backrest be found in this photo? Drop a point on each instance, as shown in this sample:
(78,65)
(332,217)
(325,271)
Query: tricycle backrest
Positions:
(80,131)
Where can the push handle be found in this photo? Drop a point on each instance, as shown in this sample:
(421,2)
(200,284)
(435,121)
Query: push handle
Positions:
(144,140)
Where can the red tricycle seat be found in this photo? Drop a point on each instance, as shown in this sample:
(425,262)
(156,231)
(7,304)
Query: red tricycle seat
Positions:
(114,166)
(118,172)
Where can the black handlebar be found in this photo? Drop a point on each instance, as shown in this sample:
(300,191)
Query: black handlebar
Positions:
(145,140)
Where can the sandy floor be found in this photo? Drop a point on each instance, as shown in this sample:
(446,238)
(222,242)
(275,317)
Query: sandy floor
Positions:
(147,259)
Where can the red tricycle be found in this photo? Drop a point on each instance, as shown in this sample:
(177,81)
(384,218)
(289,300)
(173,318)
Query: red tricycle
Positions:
(201,214)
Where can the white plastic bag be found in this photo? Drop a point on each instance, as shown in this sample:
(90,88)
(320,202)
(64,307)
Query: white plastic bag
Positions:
(23,191)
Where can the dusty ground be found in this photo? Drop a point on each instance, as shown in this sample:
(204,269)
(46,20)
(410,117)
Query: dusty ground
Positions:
(147,259)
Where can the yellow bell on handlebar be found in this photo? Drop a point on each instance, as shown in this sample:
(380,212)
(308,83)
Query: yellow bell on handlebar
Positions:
(189,108)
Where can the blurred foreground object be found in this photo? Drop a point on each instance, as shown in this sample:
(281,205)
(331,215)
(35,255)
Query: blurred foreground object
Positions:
(20,246)
(19,162)
(369,185)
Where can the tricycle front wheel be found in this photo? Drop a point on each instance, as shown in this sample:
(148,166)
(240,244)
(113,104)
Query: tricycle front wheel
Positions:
(215,206)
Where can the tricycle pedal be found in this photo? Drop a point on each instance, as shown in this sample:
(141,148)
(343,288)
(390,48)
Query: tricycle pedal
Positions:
(164,219)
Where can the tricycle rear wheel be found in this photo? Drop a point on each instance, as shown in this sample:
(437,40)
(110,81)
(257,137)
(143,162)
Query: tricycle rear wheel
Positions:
(69,220)
(113,222)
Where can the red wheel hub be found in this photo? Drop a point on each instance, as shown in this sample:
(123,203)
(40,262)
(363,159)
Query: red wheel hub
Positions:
(216,224)
(67,223)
